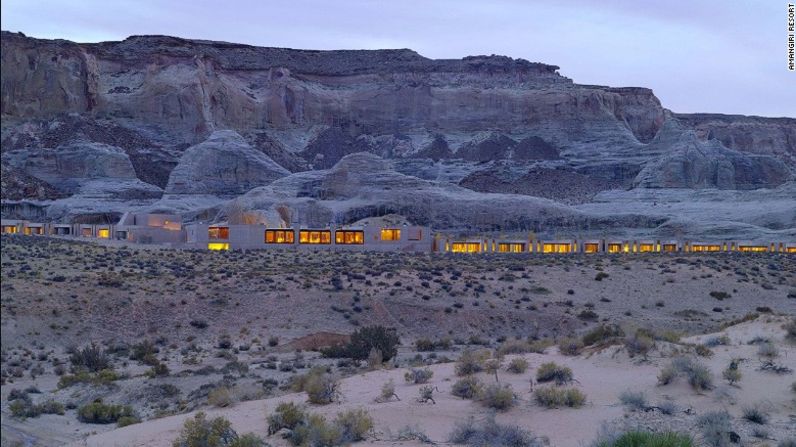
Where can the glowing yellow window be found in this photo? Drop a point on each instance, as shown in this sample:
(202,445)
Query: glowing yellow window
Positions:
(669,248)
(790,250)
(218,232)
(752,248)
(614,248)
(556,248)
(349,237)
(279,236)
(591,248)
(646,248)
(10,229)
(466,247)
(511,248)
(218,246)
(315,237)
(390,234)
(103,233)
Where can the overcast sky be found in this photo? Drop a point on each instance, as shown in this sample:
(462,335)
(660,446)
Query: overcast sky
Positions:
(698,56)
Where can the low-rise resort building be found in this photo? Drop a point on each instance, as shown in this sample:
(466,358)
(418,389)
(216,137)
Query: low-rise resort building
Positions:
(169,230)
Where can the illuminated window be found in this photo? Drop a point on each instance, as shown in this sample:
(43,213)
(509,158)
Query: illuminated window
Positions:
(218,232)
(646,248)
(752,248)
(10,229)
(315,237)
(103,233)
(670,248)
(218,246)
(591,248)
(614,248)
(466,247)
(705,248)
(349,237)
(86,232)
(556,248)
(790,250)
(390,234)
(280,237)
(507,247)
(27,231)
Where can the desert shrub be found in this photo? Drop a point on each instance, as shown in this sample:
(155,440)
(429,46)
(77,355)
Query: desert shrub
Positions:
(322,389)
(633,400)
(516,347)
(768,351)
(570,346)
(517,365)
(667,407)
(471,362)
(288,415)
(144,352)
(220,397)
(719,295)
(555,397)
(698,376)
(715,428)
(498,397)
(722,340)
(600,276)
(490,433)
(552,372)
(732,374)
(424,345)
(98,412)
(354,425)
(790,330)
(201,432)
(124,421)
(602,333)
(378,337)
(640,343)
(104,377)
(418,376)
(755,415)
(703,351)
(427,394)
(248,440)
(23,407)
(468,387)
(648,439)
(315,431)
(90,358)
(388,391)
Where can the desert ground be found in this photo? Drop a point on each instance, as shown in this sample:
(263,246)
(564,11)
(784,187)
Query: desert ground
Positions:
(232,334)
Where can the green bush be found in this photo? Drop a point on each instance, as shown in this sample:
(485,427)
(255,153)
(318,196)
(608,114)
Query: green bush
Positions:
(288,415)
(90,358)
(322,389)
(418,376)
(732,374)
(124,421)
(522,347)
(378,337)
(468,387)
(570,346)
(602,333)
(698,376)
(498,397)
(640,343)
(490,433)
(144,352)
(471,362)
(552,372)
(201,432)
(315,431)
(103,377)
(354,425)
(555,397)
(248,440)
(755,415)
(100,413)
(648,439)
(715,428)
(220,397)
(517,365)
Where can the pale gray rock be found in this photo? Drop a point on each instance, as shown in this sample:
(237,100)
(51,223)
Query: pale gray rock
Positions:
(224,165)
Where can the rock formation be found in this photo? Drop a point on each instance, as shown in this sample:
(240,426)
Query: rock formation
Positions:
(214,119)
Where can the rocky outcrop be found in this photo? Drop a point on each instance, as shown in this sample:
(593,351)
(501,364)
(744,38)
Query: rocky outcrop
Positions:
(752,134)
(696,164)
(18,185)
(223,165)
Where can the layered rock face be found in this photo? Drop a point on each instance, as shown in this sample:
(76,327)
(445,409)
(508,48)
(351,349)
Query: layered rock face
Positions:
(225,165)
(159,114)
